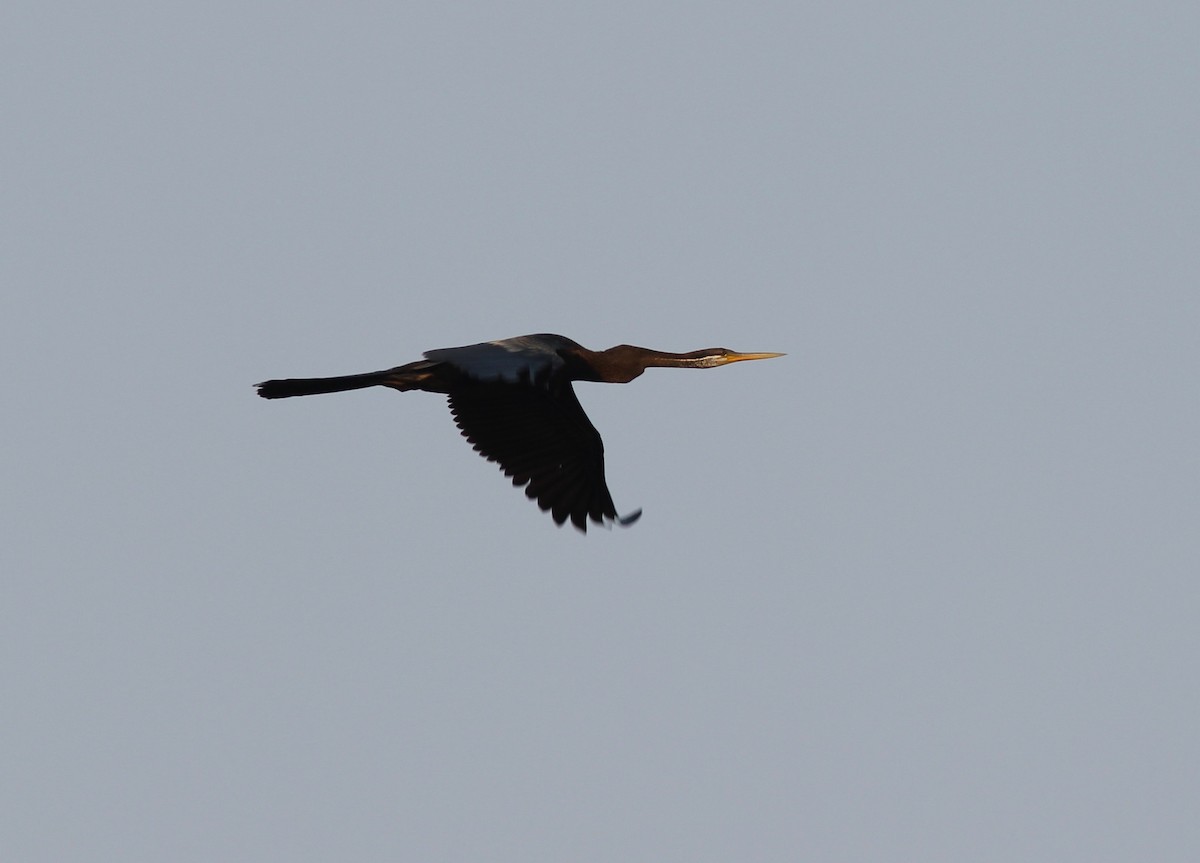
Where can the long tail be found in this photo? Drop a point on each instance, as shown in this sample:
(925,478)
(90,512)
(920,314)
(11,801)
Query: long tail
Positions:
(284,389)
(421,375)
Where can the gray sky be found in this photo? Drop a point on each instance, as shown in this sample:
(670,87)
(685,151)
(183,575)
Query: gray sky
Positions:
(923,590)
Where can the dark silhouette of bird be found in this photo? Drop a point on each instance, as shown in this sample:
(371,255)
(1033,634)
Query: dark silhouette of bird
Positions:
(512,399)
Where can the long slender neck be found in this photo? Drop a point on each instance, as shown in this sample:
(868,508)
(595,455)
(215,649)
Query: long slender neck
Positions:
(623,363)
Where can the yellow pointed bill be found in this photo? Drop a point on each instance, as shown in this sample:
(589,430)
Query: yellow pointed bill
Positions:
(737,358)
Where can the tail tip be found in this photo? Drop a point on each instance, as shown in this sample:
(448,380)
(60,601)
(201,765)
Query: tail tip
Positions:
(270,390)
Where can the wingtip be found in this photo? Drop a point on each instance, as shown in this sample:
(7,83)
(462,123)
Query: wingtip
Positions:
(627,520)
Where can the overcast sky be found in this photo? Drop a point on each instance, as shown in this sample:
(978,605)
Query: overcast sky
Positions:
(925,589)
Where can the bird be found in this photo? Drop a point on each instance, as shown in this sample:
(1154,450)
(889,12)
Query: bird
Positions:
(513,401)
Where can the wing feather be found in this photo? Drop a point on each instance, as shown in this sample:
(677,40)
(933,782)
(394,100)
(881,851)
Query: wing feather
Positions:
(541,437)
(513,361)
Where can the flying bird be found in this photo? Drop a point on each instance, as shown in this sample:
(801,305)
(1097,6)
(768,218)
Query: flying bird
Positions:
(512,399)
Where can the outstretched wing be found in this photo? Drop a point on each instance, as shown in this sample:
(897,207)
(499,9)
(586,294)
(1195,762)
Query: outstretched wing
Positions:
(540,436)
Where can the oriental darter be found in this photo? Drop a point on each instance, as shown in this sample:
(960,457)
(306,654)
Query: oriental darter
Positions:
(512,399)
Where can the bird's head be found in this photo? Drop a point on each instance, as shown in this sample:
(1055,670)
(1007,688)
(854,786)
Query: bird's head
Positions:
(710,358)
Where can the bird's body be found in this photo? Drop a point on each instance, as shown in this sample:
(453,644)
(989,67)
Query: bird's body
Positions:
(513,400)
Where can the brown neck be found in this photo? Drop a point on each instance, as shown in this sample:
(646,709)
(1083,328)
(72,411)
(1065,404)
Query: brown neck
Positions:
(623,363)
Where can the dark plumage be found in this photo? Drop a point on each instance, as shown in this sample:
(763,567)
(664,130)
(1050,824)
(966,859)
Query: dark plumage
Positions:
(513,400)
